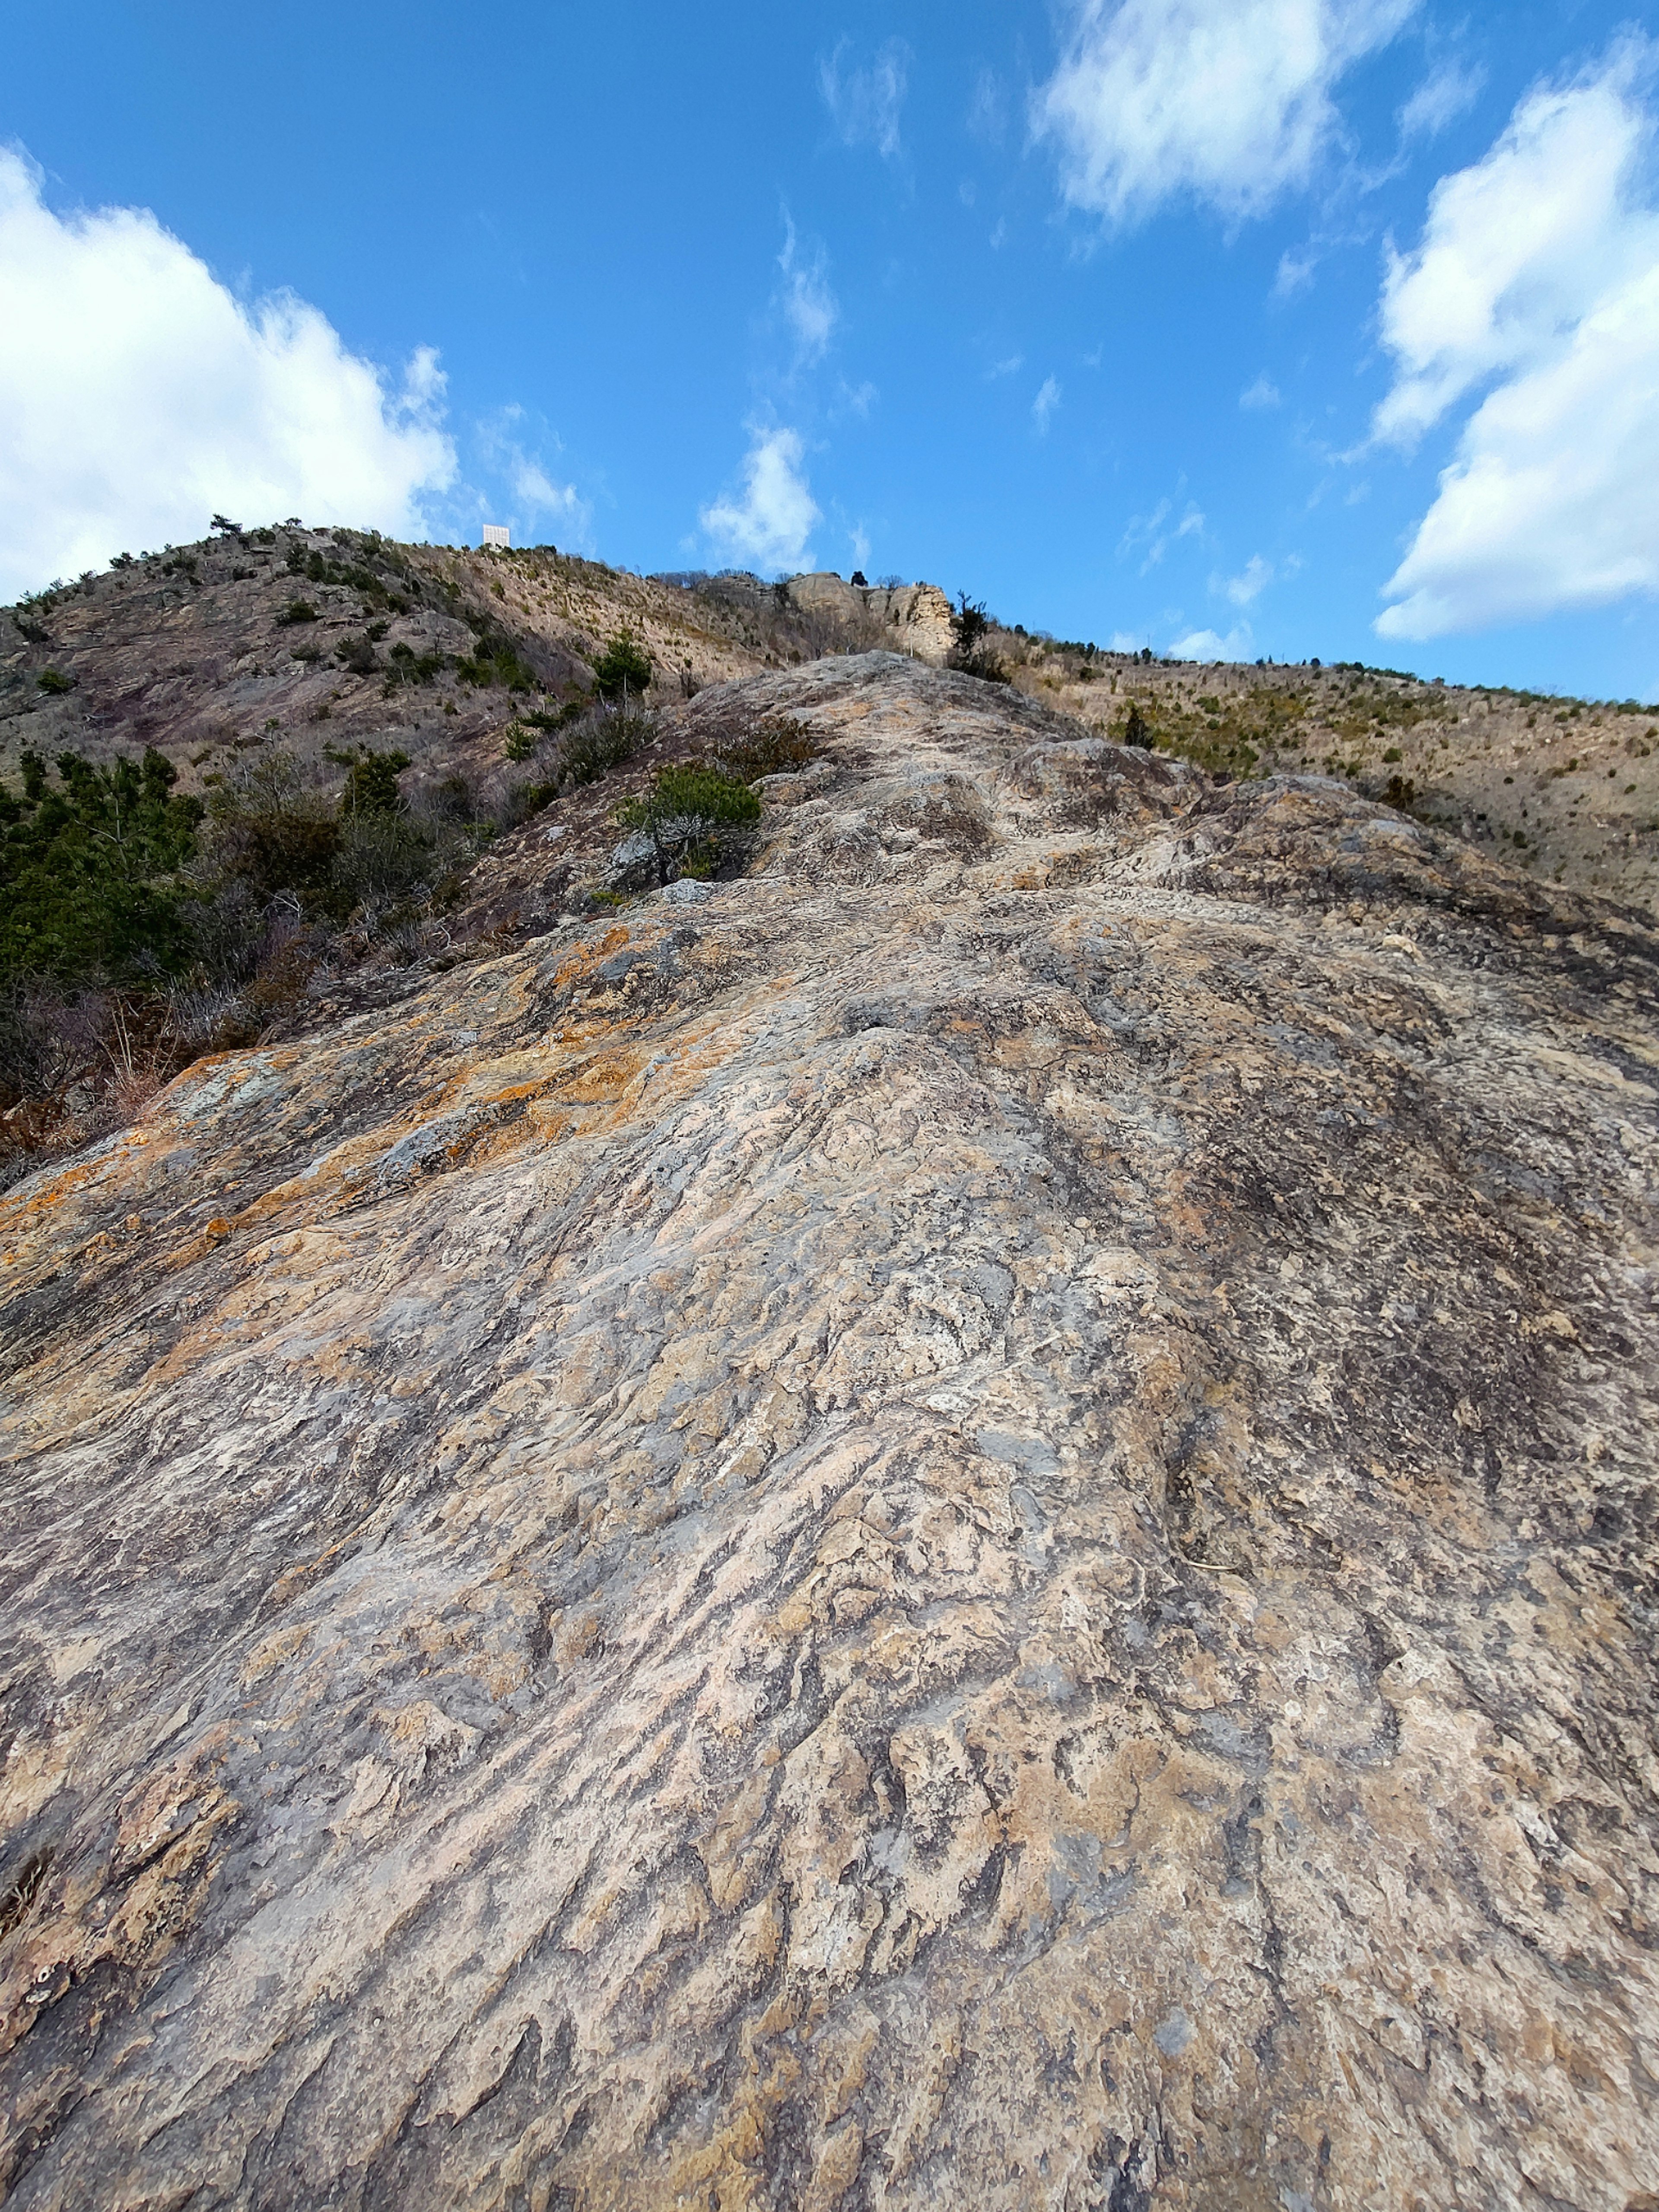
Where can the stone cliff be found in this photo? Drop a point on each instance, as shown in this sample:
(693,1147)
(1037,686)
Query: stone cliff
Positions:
(967,1521)
(915,618)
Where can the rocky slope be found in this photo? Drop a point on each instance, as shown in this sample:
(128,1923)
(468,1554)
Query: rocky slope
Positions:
(966,1522)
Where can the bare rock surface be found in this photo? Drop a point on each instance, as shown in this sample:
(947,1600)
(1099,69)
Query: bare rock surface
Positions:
(969,1522)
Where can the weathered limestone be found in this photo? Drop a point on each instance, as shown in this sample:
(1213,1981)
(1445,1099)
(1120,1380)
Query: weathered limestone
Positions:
(969,1522)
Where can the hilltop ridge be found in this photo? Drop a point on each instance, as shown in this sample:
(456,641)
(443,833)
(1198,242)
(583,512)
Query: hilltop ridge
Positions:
(420,647)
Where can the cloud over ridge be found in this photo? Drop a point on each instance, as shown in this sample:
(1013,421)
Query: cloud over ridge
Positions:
(139,394)
(771,521)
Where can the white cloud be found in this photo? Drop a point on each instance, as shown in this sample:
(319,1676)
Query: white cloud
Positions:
(1043,406)
(1206,645)
(1008,367)
(139,396)
(1540,268)
(1249,583)
(864,104)
(1440,98)
(1225,101)
(809,306)
(1264,392)
(769,525)
(1518,248)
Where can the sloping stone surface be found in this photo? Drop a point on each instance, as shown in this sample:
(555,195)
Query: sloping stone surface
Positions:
(967,1523)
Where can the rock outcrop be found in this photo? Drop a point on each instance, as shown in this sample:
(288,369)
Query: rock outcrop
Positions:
(969,1521)
(916,617)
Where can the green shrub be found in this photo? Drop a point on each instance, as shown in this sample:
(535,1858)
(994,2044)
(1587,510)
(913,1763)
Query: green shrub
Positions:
(54,681)
(405,666)
(693,816)
(88,871)
(371,783)
(495,661)
(623,666)
(1136,730)
(297,611)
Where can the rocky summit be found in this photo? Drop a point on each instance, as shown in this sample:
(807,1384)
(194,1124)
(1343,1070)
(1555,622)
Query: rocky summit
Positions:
(967,1520)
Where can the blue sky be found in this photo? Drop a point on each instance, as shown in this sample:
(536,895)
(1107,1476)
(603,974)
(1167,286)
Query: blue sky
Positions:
(1205,323)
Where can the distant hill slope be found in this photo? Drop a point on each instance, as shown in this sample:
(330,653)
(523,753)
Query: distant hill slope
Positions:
(413,646)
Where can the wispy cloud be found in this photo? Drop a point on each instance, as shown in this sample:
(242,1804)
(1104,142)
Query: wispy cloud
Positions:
(1295,271)
(1014,362)
(771,521)
(864,104)
(1152,535)
(1264,392)
(1043,406)
(810,308)
(511,449)
(1442,96)
(987,111)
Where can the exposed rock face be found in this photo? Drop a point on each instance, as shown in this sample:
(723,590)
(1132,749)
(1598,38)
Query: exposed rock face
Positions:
(969,1522)
(918,615)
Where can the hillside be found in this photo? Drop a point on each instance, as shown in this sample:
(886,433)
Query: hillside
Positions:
(417,646)
(964,1517)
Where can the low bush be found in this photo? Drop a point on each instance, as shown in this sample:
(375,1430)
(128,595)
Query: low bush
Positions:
(768,748)
(597,742)
(694,817)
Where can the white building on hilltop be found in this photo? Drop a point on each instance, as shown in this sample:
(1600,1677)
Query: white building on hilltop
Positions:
(497,538)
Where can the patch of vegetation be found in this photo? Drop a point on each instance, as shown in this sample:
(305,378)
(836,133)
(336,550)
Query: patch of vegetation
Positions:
(88,871)
(138,928)
(356,655)
(405,666)
(694,817)
(623,666)
(54,681)
(767,749)
(296,611)
(376,591)
(972,652)
(600,742)
(495,661)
